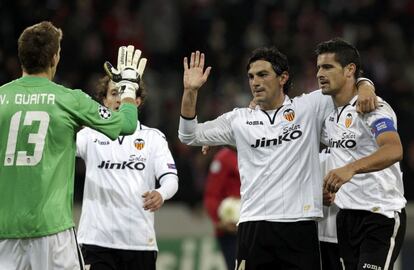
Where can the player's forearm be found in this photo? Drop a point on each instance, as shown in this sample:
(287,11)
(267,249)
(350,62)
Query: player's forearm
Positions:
(169,186)
(129,123)
(384,157)
(188,104)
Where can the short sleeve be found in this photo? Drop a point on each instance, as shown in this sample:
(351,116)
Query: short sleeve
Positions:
(382,119)
(81,143)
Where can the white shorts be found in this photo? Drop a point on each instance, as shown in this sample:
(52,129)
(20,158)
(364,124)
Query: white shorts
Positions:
(52,252)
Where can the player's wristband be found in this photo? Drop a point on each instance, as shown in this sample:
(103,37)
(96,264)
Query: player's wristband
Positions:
(127,89)
(359,80)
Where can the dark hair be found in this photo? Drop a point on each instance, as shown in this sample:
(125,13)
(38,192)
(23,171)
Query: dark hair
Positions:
(102,88)
(345,53)
(37,45)
(277,59)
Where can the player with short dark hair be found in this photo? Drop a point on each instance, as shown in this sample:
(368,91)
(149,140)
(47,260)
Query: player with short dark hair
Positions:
(277,59)
(364,150)
(277,147)
(38,124)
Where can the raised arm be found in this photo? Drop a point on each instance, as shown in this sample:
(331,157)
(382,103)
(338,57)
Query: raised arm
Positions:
(194,77)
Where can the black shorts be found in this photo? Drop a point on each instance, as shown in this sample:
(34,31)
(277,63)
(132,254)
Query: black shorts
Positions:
(330,256)
(102,258)
(368,240)
(264,245)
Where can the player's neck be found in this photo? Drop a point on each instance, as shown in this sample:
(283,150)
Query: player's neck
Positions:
(344,96)
(276,104)
(45,74)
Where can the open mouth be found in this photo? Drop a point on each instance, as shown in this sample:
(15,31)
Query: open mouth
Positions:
(323,83)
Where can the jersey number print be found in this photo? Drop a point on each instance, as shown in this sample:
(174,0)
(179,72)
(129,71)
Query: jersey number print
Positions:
(38,139)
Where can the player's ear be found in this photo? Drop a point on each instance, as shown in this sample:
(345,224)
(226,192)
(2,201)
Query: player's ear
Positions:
(350,70)
(284,77)
(55,60)
(138,101)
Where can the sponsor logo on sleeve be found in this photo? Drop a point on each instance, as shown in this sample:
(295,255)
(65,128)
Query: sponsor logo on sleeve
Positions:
(171,166)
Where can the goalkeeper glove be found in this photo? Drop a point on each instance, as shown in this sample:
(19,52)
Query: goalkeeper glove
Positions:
(129,71)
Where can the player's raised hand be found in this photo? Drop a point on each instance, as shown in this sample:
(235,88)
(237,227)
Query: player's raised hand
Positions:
(129,71)
(194,74)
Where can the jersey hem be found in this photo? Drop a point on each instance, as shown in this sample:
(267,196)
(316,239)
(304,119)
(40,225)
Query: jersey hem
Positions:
(312,216)
(38,234)
(114,246)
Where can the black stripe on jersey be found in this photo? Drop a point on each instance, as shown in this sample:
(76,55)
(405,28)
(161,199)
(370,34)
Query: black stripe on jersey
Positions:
(339,115)
(272,121)
(162,175)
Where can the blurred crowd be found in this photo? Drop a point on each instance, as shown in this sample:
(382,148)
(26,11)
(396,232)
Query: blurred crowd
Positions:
(227,31)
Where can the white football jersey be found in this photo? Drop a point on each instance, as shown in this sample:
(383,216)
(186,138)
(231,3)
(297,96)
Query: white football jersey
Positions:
(327,225)
(117,174)
(277,155)
(350,137)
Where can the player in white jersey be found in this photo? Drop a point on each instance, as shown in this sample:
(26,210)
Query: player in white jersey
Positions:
(116,227)
(365,150)
(278,147)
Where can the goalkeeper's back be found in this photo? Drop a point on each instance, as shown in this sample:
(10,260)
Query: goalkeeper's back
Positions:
(38,124)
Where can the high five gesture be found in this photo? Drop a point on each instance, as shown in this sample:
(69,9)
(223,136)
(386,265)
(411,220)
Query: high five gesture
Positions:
(194,77)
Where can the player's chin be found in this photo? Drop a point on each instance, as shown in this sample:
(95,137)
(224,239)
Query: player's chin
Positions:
(258,97)
(325,90)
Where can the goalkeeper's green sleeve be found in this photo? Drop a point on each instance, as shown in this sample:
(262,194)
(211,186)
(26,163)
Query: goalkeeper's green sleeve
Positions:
(129,124)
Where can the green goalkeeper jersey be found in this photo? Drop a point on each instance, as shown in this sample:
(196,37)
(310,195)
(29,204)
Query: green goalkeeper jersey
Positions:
(38,124)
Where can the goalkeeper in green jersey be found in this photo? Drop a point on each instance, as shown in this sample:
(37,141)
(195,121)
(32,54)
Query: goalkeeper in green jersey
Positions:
(39,120)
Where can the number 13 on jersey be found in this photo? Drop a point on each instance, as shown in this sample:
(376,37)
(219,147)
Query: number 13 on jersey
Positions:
(21,158)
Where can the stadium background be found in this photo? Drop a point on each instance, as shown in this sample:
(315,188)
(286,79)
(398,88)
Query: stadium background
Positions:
(227,31)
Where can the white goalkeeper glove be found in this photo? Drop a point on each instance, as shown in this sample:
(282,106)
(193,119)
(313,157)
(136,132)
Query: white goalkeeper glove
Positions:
(129,71)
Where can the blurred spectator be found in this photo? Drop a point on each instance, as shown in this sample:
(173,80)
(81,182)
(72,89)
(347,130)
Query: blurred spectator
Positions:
(223,181)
